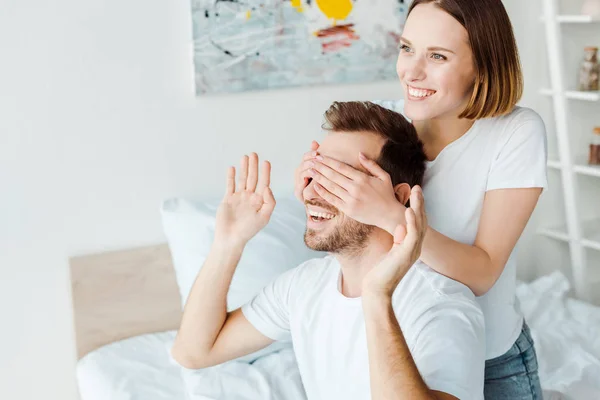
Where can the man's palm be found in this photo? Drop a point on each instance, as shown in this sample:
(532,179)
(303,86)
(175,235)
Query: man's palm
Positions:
(247,206)
(408,241)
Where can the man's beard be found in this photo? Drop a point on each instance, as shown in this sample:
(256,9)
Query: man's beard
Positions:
(349,238)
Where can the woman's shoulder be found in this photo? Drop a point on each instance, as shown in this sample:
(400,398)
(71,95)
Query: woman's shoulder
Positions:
(519,118)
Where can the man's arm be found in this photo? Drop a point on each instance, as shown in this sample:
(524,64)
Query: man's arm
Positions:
(392,370)
(394,374)
(208,335)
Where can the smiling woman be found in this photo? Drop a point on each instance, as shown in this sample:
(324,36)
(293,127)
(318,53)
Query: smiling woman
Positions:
(463,62)
(460,72)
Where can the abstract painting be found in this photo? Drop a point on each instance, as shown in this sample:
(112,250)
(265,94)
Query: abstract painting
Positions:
(242,45)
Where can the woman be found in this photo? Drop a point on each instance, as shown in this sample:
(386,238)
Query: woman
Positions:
(460,71)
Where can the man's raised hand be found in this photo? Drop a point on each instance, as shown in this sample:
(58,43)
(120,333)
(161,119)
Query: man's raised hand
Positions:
(248,202)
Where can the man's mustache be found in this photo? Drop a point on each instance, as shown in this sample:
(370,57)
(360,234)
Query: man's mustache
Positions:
(323,205)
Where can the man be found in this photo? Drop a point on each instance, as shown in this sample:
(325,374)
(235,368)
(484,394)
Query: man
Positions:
(364,321)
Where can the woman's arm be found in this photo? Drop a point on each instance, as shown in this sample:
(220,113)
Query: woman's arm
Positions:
(504,216)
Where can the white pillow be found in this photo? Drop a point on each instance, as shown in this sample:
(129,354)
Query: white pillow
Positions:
(189,228)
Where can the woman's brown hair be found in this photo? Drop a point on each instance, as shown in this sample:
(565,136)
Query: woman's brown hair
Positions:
(499,80)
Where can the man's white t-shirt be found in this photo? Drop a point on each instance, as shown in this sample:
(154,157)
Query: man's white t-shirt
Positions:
(440,319)
(507,152)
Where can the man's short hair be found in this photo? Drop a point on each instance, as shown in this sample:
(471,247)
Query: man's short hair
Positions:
(402,155)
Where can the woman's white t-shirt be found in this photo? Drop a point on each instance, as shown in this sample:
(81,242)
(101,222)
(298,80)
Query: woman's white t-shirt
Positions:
(505,152)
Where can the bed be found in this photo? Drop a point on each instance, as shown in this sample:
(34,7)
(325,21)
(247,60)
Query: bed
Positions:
(127,308)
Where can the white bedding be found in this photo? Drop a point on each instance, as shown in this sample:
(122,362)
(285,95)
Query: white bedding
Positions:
(566,332)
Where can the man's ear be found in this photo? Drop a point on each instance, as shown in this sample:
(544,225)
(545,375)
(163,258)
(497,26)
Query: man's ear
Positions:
(402,192)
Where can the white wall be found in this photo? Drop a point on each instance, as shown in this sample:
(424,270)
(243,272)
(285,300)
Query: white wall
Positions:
(98,123)
(529,32)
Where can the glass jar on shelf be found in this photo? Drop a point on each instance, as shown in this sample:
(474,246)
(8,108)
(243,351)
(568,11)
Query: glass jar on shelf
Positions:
(591,8)
(589,72)
(595,147)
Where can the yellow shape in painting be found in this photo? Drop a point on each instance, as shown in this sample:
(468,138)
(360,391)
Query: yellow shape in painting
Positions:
(248,13)
(336,9)
(297,4)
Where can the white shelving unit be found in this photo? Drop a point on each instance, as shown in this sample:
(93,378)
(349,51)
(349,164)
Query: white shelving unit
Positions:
(575,95)
(571,19)
(579,234)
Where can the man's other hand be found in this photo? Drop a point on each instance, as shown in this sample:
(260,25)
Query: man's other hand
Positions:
(408,241)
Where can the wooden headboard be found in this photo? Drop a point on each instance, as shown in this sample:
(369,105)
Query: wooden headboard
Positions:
(122,294)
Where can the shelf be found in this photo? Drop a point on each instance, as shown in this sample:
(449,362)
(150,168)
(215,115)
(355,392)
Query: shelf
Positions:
(554,164)
(575,94)
(574,19)
(591,234)
(590,170)
(580,167)
(559,233)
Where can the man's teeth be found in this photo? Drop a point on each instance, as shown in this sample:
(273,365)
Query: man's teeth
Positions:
(420,92)
(321,215)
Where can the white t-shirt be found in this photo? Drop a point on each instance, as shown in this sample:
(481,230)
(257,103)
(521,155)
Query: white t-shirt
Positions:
(496,153)
(439,317)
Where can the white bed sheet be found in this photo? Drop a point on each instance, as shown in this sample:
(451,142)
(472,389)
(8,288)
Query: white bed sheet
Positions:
(137,368)
(566,332)
(141,368)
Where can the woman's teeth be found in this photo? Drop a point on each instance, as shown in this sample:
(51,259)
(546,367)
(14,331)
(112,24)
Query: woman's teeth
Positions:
(420,92)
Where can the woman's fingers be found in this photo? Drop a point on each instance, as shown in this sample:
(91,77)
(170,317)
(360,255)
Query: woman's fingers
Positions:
(342,168)
(230,181)
(372,167)
(252,172)
(303,177)
(328,196)
(333,176)
(330,185)
(264,181)
(243,176)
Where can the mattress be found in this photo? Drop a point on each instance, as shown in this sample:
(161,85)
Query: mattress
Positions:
(140,368)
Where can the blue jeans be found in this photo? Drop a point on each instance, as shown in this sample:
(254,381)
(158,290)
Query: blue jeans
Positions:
(514,375)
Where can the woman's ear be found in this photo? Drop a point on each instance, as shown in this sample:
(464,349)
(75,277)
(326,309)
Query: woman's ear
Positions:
(402,192)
